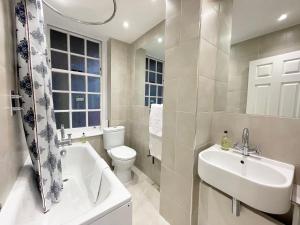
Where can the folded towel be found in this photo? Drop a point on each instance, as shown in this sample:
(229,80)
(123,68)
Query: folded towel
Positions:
(156,119)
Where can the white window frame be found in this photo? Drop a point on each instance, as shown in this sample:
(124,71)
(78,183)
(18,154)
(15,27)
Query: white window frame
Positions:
(89,131)
(156,84)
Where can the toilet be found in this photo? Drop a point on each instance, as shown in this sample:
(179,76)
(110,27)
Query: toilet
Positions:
(122,156)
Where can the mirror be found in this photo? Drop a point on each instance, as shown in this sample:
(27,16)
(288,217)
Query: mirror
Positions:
(264,62)
(149,67)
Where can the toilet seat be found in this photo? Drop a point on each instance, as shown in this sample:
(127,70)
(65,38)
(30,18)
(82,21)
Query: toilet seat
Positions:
(123,153)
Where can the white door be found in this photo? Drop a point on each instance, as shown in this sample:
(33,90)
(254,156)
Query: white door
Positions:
(274,86)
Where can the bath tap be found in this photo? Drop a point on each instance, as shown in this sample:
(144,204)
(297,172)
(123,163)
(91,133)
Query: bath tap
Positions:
(244,148)
(63,140)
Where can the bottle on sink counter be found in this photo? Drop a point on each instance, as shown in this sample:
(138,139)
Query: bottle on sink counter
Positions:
(83,138)
(225,141)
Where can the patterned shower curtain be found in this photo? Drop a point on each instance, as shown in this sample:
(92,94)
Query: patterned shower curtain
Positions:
(35,88)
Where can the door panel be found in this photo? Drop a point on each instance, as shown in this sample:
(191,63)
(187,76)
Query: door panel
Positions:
(274,86)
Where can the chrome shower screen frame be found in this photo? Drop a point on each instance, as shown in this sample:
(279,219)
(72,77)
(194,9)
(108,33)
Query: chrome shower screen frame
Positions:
(83,21)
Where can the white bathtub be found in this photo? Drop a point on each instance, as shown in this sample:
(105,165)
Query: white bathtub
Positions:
(82,203)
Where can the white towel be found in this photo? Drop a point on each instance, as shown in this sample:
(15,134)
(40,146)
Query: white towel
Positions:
(155,146)
(155,130)
(156,119)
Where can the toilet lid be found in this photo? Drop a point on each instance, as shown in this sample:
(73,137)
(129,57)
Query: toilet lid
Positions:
(123,153)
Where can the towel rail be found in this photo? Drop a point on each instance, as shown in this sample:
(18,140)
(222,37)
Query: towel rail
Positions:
(149,155)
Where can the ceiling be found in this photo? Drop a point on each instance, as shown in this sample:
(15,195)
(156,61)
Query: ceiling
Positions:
(252,18)
(141,15)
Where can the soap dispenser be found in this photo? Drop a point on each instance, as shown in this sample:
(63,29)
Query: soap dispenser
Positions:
(83,138)
(225,141)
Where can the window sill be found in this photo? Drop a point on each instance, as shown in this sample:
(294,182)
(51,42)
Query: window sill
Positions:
(77,133)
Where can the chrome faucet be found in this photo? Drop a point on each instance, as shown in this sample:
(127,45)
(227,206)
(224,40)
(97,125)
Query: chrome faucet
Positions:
(63,140)
(244,148)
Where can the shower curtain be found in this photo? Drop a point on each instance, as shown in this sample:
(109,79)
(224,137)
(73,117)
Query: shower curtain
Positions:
(35,88)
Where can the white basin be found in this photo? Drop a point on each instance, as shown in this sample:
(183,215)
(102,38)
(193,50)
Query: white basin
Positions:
(261,183)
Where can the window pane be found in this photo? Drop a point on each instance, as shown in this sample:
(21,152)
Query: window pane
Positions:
(159,67)
(147,63)
(58,40)
(152,101)
(61,101)
(152,65)
(60,81)
(159,78)
(93,66)
(94,118)
(59,60)
(147,90)
(78,83)
(77,64)
(152,77)
(146,101)
(160,91)
(93,84)
(159,101)
(62,118)
(146,77)
(77,45)
(78,101)
(152,90)
(94,102)
(78,119)
(93,49)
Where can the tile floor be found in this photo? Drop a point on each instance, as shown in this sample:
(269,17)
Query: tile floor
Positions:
(145,198)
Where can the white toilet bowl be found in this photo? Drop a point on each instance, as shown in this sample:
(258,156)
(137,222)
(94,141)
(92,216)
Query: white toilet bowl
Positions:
(122,156)
(123,159)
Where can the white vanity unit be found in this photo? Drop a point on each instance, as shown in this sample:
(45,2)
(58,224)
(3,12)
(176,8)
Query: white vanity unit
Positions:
(259,182)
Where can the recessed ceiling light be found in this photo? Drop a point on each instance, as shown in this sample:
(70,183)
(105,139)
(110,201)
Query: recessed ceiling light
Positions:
(159,40)
(125,24)
(282,17)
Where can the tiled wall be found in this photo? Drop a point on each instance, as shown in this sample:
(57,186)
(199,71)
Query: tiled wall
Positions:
(13,150)
(196,77)
(118,84)
(139,114)
(215,209)
(279,42)
(182,42)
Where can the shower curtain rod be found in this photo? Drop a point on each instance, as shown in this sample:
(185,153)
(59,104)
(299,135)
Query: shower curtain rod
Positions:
(83,21)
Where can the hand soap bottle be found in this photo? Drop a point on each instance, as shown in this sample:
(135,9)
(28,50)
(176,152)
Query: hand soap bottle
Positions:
(225,142)
(83,138)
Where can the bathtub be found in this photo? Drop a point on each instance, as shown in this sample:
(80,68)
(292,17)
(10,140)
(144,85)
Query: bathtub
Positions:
(92,194)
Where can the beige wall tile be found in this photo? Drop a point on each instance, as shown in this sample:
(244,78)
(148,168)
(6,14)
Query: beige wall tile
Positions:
(207,59)
(204,120)
(216,210)
(190,19)
(187,94)
(222,67)
(172,38)
(206,90)
(220,100)
(209,24)
(12,153)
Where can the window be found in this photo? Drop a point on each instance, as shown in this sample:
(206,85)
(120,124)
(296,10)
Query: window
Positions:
(76,79)
(154,81)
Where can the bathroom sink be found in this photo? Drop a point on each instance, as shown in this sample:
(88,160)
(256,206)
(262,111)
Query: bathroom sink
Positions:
(261,183)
